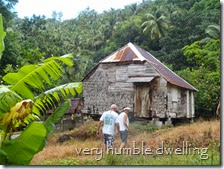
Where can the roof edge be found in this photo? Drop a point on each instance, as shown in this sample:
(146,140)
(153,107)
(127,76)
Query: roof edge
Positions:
(193,88)
(135,50)
(91,71)
(173,73)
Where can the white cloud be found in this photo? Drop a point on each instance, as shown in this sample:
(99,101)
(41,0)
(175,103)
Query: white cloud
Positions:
(69,8)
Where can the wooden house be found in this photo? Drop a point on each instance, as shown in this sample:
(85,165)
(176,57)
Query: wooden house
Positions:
(133,77)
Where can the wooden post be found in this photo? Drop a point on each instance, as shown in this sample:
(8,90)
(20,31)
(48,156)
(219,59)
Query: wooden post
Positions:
(192,105)
(188,104)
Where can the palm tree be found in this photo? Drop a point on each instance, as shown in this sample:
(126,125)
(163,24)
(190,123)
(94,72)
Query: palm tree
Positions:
(156,25)
(213,31)
(170,10)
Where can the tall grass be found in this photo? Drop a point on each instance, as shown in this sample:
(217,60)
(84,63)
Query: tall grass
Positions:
(200,134)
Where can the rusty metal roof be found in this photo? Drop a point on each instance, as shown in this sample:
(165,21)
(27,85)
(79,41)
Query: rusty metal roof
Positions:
(127,53)
(131,52)
(168,74)
(123,54)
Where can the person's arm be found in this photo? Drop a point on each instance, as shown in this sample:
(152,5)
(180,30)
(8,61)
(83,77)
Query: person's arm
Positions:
(117,125)
(118,128)
(99,127)
(125,121)
(100,124)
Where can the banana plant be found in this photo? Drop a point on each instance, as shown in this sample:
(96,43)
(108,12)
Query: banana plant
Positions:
(21,150)
(19,107)
(51,98)
(16,118)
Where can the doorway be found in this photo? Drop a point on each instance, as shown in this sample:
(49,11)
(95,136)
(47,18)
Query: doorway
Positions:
(143,100)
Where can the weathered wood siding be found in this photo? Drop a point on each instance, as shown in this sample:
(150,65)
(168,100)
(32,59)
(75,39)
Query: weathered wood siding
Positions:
(108,84)
(180,102)
(159,97)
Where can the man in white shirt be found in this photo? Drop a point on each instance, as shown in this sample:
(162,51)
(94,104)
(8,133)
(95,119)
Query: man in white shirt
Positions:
(123,126)
(108,120)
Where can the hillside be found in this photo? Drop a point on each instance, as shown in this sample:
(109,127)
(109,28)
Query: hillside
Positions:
(41,57)
(184,35)
(199,136)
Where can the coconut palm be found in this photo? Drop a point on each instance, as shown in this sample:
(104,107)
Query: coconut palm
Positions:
(213,31)
(157,25)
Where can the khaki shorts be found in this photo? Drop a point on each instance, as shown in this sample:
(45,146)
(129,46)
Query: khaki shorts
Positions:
(124,136)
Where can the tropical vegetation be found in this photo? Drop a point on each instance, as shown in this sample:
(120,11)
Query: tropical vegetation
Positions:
(36,76)
(22,103)
(163,27)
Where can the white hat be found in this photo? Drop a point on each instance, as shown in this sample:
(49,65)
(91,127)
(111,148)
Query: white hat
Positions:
(127,108)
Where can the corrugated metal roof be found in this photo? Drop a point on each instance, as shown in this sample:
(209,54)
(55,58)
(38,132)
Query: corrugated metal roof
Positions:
(121,55)
(132,52)
(168,74)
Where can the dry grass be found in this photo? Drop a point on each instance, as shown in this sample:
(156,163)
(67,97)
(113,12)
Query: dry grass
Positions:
(200,133)
(85,131)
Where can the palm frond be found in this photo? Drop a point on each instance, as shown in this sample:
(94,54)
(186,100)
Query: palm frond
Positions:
(150,16)
(145,29)
(144,24)
(8,99)
(51,98)
(215,27)
(163,18)
(213,31)
(32,76)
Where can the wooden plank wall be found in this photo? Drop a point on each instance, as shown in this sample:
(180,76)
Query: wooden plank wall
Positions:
(108,85)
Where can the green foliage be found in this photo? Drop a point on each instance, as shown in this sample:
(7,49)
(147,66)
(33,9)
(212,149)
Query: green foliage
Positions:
(33,75)
(8,99)
(204,75)
(16,113)
(55,117)
(156,24)
(51,98)
(113,160)
(206,5)
(20,151)
(213,31)
(21,112)
(140,127)
(143,160)
(67,161)
(2,36)
(3,157)
(91,36)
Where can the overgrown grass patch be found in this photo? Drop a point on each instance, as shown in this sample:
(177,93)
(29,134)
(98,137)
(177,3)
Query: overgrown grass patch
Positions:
(140,127)
(204,134)
(213,159)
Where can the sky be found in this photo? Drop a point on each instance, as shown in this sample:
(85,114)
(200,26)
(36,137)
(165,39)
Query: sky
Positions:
(69,8)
